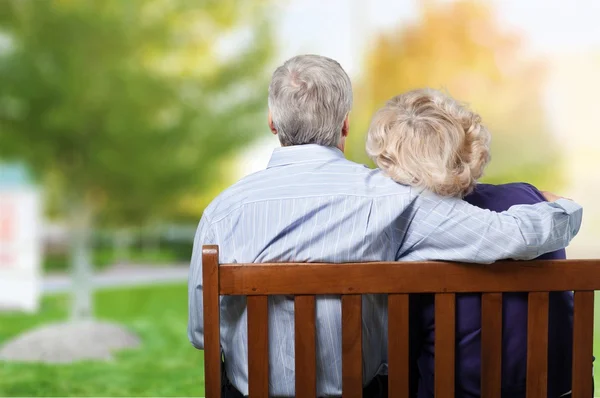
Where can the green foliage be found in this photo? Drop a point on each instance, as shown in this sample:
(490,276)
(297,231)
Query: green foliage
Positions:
(128,105)
(460,47)
(170,253)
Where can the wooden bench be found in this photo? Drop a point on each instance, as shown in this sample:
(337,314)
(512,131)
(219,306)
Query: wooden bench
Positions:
(398,280)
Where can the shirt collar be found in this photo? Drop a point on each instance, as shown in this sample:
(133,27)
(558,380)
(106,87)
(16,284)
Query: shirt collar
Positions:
(303,154)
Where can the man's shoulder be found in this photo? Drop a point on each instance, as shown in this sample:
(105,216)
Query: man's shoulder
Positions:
(232,194)
(344,178)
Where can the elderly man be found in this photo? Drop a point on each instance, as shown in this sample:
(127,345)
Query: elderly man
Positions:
(313,205)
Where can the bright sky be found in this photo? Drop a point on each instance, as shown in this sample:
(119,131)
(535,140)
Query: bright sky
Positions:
(341,29)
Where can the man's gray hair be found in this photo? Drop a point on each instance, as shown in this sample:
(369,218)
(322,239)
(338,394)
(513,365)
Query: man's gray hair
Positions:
(309,98)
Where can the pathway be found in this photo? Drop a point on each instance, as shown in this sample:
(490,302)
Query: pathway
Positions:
(121,275)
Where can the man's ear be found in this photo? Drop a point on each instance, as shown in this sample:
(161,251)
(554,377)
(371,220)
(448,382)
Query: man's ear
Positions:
(271,125)
(346,126)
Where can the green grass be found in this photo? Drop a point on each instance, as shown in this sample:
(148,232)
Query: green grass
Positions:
(165,364)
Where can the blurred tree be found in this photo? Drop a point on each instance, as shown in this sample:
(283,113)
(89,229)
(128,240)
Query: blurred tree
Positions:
(460,48)
(123,107)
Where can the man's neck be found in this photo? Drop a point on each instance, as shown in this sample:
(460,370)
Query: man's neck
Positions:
(341,147)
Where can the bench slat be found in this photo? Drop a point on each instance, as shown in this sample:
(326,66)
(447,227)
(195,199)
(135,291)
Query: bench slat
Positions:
(305,349)
(537,345)
(398,355)
(583,340)
(258,347)
(212,345)
(445,304)
(491,345)
(352,382)
(409,277)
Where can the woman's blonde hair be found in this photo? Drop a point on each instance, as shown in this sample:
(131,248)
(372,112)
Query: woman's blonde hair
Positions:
(426,139)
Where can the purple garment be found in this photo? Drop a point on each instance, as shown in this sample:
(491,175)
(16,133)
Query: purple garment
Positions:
(514,329)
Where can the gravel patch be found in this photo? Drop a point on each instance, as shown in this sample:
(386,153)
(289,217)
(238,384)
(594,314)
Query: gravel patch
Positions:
(69,342)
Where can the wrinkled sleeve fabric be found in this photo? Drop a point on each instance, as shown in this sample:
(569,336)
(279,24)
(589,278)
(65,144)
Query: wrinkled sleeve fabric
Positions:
(204,236)
(451,229)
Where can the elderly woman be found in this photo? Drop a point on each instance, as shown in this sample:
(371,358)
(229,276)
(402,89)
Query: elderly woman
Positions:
(428,140)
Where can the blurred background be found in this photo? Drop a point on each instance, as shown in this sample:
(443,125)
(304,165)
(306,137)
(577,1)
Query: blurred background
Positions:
(121,120)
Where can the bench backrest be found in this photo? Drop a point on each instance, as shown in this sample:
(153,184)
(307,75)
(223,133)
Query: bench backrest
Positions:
(398,280)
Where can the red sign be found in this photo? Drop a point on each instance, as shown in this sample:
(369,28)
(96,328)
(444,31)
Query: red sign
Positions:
(7,231)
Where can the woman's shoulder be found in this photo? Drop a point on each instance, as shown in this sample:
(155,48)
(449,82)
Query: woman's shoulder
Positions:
(502,196)
(520,189)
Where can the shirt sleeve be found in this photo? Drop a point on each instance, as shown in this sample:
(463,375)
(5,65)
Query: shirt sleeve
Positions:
(453,230)
(203,236)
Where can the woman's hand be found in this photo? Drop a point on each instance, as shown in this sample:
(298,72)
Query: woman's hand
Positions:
(550,197)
